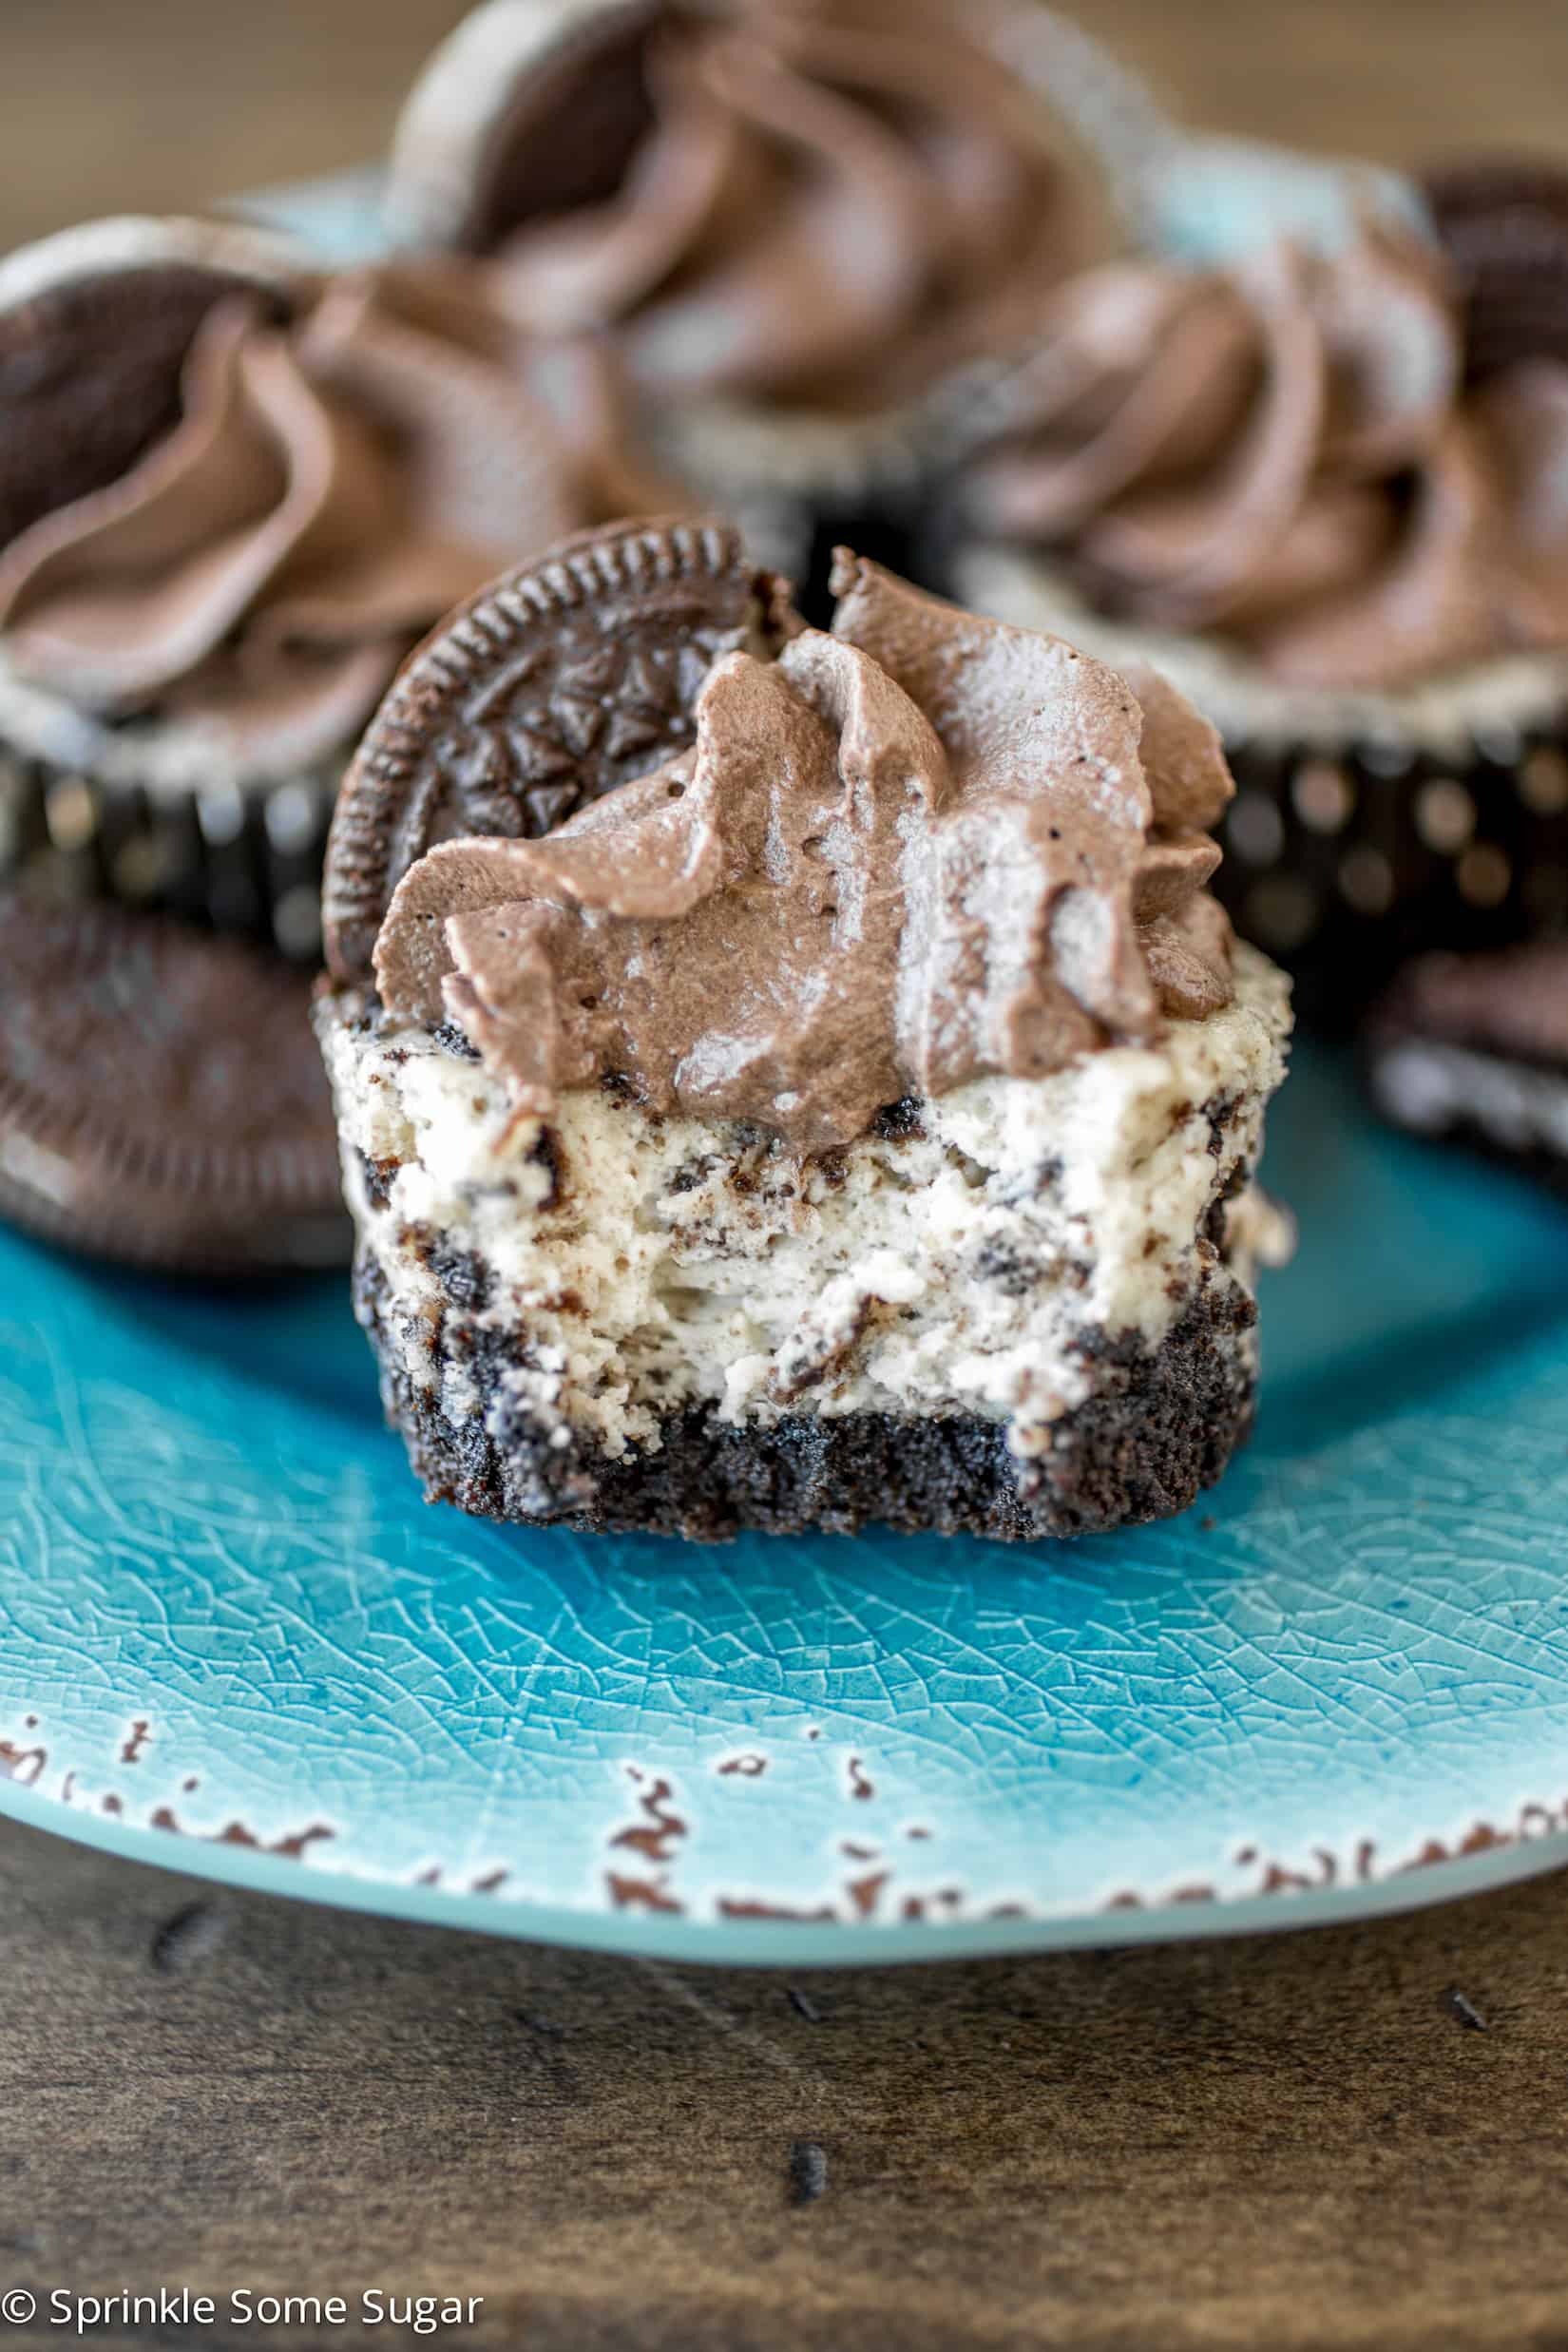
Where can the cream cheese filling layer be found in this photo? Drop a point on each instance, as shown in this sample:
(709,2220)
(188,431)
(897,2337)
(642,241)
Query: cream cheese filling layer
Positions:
(632,1266)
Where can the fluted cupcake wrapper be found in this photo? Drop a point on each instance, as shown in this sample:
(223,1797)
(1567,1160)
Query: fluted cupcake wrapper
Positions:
(244,858)
(1345,863)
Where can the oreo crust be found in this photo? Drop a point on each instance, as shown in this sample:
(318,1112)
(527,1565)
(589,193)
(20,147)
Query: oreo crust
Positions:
(162,1100)
(1160,1426)
(553,685)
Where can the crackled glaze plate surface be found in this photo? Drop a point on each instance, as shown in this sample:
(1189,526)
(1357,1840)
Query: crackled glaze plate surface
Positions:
(233,1638)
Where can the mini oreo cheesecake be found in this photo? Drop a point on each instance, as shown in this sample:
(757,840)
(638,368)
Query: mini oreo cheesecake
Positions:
(234,494)
(1288,483)
(849,1113)
(794,220)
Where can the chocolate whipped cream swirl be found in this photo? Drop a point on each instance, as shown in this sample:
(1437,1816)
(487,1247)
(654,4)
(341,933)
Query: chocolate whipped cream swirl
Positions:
(923,848)
(335,480)
(1286,453)
(825,198)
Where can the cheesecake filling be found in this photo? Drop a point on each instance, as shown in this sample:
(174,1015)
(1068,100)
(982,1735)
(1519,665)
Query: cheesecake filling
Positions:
(603,1267)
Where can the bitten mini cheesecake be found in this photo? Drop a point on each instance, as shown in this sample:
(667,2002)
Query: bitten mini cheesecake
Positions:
(850,1116)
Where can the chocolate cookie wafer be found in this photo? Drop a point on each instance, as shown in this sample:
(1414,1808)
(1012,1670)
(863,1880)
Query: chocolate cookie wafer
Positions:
(1504,225)
(546,690)
(1474,1050)
(162,1099)
(234,494)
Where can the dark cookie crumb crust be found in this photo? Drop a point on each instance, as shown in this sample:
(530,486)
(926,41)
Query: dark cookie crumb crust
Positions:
(1160,1426)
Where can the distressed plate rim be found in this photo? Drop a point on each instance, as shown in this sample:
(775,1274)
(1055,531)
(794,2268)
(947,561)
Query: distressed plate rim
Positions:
(698,1941)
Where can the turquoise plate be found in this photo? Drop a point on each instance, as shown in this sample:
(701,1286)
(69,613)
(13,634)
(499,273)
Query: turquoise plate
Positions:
(231,1637)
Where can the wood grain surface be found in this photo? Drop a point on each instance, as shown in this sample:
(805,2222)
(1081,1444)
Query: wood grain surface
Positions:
(1353,2137)
(150,104)
(1357,2138)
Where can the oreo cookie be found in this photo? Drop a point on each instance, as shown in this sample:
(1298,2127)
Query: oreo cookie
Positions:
(162,1099)
(1474,1050)
(1504,225)
(523,111)
(548,689)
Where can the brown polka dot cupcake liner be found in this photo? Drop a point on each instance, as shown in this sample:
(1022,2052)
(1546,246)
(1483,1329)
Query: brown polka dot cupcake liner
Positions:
(1345,863)
(243,858)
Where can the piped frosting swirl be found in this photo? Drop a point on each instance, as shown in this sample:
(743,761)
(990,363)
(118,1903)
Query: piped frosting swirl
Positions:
(345,462)
(917,850)
(822,200)
(1286,453)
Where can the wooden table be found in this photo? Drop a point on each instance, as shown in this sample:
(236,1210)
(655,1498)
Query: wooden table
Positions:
(1355,2137)
(152,104)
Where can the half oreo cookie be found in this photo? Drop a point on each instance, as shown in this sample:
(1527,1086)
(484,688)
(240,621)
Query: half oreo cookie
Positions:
(548,689)
(1474,1050)
(1504,223)
(522,111)
(162,1100)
